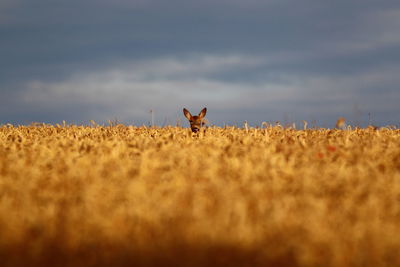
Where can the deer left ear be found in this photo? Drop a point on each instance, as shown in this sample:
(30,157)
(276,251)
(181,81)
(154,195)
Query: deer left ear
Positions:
(203,112)
(187,114)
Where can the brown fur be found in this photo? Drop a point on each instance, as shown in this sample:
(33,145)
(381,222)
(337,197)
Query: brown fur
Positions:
(196,122)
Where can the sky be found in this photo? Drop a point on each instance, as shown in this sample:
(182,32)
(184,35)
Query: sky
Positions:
(255,61)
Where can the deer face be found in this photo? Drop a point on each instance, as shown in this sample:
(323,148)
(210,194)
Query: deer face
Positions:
(196,122)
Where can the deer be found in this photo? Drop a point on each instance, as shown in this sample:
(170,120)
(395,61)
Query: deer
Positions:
(196,122)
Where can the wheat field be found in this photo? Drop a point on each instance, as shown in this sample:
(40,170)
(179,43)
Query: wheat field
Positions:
(137,196)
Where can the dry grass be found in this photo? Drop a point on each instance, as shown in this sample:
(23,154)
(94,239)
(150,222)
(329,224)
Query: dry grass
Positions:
(85,196)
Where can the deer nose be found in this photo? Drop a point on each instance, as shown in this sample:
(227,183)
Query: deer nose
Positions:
(195,129)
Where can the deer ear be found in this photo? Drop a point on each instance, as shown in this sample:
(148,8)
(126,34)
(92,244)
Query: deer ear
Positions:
(203,112)
(187,114)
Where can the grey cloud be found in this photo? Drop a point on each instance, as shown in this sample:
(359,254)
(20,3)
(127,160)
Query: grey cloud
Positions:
(309,58)
(166,85)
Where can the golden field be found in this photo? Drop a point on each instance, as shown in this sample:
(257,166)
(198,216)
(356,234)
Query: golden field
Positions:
(136,196)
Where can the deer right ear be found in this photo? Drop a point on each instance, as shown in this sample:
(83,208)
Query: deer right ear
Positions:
(187,114)
(203,112)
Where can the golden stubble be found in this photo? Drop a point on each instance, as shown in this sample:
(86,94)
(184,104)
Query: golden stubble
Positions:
(224,196)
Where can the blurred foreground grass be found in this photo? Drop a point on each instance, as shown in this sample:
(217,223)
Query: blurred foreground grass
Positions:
(137,196)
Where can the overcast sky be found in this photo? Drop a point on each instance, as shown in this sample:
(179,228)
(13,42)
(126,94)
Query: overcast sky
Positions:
(271,60)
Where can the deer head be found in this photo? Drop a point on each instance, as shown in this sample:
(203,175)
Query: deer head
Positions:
(196,122)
